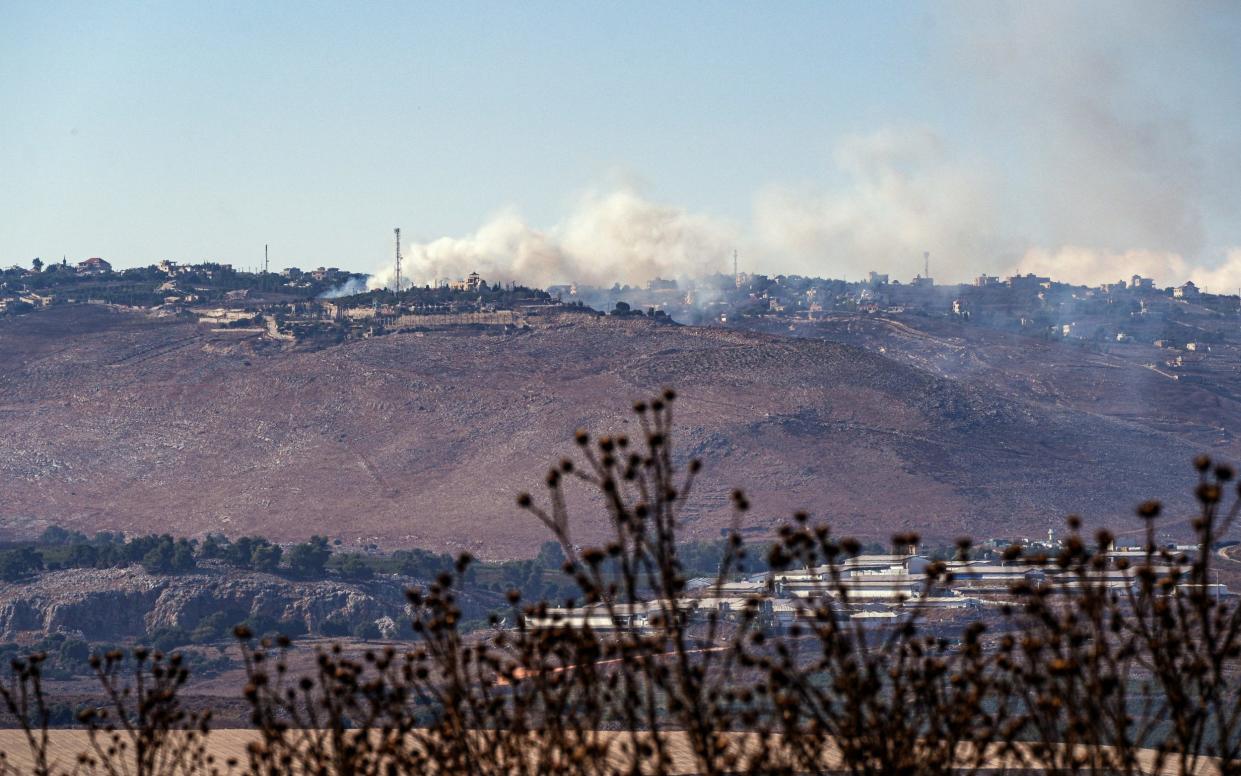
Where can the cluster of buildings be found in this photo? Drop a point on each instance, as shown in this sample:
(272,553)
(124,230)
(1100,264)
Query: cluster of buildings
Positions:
(870,590)
(1183,325)
(292,304)
(18,296)
(1124,312)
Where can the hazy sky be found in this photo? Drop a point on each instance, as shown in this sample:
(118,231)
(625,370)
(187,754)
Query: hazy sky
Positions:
(572,141)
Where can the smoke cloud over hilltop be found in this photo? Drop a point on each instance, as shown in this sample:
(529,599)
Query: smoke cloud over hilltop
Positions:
(619,237)
(902,194)
(1092,266)
(1118,173)
(1081,164)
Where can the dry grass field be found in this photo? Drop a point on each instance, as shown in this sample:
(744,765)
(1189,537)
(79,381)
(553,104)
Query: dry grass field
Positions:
(232,744)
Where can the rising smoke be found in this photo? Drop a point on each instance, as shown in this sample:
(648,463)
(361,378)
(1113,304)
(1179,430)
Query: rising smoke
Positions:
(1092,169)
(1104,107)
(619,237)
(348,288)
(903,193)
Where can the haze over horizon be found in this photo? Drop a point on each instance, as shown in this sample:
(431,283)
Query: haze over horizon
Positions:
(555,143)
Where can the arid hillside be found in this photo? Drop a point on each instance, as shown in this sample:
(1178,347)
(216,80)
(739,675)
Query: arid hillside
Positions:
(114,420)
(1200,402)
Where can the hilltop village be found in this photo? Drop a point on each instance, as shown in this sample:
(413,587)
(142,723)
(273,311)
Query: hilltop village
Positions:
(310,307)
(1173,330)
(1176,328)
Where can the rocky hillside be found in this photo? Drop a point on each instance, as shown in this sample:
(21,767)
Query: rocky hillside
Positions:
(113,420)
(117,604)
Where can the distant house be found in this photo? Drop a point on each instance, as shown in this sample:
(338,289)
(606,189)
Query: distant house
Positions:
(1187,291)
(1139,283)
(1028,282)
(472,283)
(660,284)
(220,316)
(1185,359)
(94,266)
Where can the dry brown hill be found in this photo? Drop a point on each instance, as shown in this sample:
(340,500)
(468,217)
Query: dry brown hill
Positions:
(113,420)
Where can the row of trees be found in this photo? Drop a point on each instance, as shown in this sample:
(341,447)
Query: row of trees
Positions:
(164,554)
(538,577)
(158,554)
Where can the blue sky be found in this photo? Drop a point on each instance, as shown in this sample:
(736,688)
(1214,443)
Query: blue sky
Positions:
(815,137)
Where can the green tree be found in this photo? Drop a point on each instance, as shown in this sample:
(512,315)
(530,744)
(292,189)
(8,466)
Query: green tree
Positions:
(183,556)
(214,546)
(56,535)
(355,567)
(82,555)
(163,555)
(266,557)
(309,559)
(17,565)
(159,559)
(366,631)
(421,563)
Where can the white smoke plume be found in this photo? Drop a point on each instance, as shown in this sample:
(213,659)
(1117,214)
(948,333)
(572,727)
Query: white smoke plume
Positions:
(348,288)
(619,237)
(1088,153)
(1093,267)
(903,194)
(1120,173)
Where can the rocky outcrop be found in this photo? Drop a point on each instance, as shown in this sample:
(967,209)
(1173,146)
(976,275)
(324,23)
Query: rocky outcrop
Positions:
(116,604)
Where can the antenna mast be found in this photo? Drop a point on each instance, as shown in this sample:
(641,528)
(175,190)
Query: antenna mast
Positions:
(926,264)
(265,259)
(397,232)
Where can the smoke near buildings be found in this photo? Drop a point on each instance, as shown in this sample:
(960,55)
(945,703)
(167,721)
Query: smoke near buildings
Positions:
(1069,157)
(608,238)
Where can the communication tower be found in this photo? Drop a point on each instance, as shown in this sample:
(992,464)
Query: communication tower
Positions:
(926,264)
(397,232)
(265,265)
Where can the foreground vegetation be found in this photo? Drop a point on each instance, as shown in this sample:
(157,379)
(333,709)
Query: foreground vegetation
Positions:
(1072,677)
